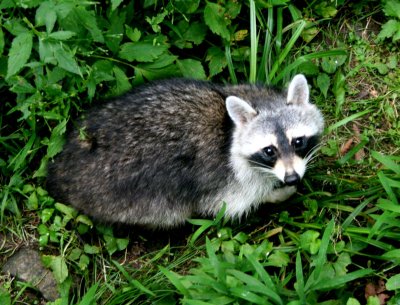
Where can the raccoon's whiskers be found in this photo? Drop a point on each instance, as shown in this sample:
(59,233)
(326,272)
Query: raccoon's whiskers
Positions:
(311,155)
(260,165)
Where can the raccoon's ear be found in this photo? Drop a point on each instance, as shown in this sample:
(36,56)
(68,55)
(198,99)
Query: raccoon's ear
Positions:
(239,110)
(298,92)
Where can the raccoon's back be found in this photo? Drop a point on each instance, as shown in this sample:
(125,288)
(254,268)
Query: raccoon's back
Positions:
(163,147)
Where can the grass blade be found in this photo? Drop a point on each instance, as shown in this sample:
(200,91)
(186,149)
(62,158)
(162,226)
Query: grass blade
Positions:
(132,281)
(254,285)
(357,211)
(338,281)
(282,56)
(253,42)
(305,58)
(88,298)
(321,258)
(387,184)
(249,296)
(387,161)
(347,120)
(300,279)
(174,278)
(231,67)
(352,152)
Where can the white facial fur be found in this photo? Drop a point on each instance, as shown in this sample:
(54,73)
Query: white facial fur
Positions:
(254,131)
(249,140)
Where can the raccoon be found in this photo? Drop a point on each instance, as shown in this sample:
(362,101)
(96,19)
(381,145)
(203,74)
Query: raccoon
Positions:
(177,148)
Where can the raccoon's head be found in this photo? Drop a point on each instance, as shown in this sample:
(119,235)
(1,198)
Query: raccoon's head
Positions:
(276,141)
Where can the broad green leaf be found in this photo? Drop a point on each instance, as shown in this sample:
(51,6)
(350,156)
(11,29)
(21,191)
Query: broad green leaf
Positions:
(163,61)
(196,32)
(339,90)
(214,17)
(115,4)
(122,81)
(57,265)
(102,71)
(390,29)
(308,68)
(46,51)
(46,15)
(156,20)
(62,35)
(64,8)
(84,261)
(310,242)
(133,34)
(341,264)
(141,51)
(232,9)
(75,254)
(122,243)
(21,85)
(325,10)
(393,283)
(91,249)
(46,214)
(152,74)
(33,202)
(66,210)
(279,259)
(373,300)
(84,219)
(5,297)
(88,20)
(329,65)
(216,60)
(392,8)
(352,301)
(186,6)
(19,54)
(382,68)
(57,139)
(191,68)
(323,82)
(115,31)
(393,255)
(66,60)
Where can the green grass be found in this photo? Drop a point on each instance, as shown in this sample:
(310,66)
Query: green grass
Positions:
(340,233)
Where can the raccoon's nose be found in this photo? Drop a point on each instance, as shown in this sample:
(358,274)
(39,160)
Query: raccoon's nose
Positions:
(292,179)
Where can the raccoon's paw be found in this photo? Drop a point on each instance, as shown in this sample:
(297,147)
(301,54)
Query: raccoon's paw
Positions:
(281,194)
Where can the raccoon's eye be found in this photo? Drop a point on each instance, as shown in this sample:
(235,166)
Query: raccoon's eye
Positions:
(299,143)
(269,151)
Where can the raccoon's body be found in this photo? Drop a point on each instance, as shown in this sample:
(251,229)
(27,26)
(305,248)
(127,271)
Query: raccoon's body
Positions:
(175,148)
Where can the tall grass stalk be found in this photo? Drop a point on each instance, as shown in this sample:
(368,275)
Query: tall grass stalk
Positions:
(253,42)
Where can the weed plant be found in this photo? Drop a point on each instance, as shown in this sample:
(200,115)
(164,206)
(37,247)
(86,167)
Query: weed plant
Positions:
(338,236)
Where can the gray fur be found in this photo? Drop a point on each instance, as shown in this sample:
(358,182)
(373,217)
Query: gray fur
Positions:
(172,149)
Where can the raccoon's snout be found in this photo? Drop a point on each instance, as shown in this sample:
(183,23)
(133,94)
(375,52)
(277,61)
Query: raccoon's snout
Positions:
(292,179)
